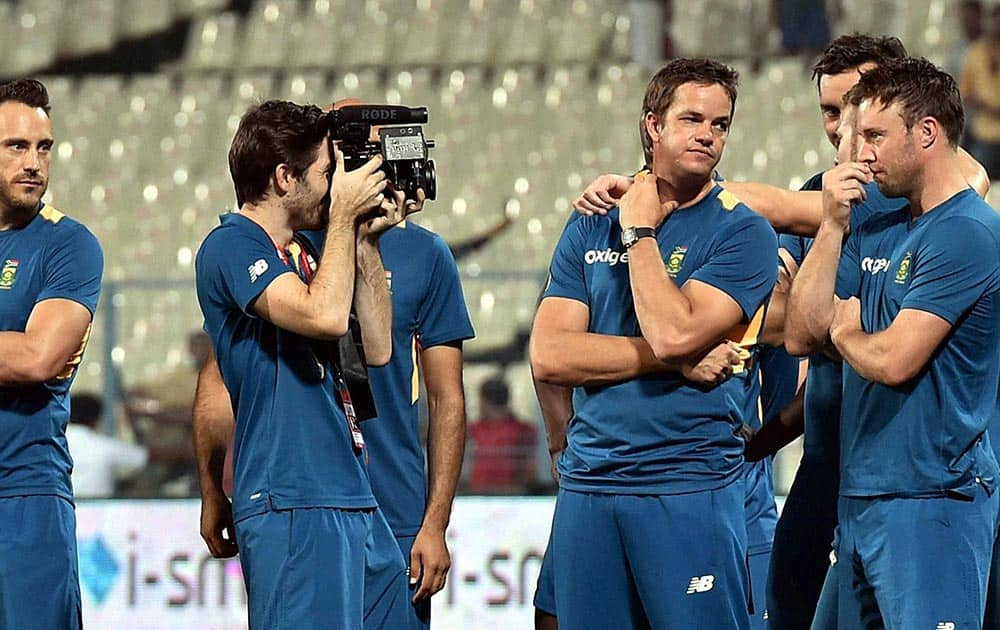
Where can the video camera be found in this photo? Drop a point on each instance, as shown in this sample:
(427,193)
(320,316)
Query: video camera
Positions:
(401,144)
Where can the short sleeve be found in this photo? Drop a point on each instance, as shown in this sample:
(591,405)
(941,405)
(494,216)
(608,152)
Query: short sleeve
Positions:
(74,269)
(950,271)
(234,267)
(849,268)
(442,316)
(566,274)
(743,264)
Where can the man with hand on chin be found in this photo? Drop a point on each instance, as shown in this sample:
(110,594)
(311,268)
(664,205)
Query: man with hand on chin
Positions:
(651,497)
(914,310)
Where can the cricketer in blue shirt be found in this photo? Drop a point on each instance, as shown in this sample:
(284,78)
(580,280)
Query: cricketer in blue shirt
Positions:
(917,321)
(315,551)
(619,441)
(761,512)
(804,532)
(650,495)
(50,279)
(429,323)
(773,384)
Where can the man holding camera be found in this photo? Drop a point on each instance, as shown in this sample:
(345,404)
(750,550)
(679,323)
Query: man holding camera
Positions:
(316,551)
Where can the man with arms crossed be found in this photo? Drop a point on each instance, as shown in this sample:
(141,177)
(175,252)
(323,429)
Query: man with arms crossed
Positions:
(316,553)
(50,279)
(647,452)
(917,513)
(805,530)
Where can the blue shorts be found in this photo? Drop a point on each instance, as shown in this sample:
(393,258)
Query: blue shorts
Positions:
(914,563)
(633,561)
(761,516)
(545,591)
(803,539)
(420,613)
(322,568)
(39,576)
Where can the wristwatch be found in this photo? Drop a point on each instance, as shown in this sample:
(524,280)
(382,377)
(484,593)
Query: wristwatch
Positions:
(631,235)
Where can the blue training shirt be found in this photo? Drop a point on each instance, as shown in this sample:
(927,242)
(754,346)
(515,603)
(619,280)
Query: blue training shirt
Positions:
(293,447)
(926,437)
(660,434)
(428,309)
(52,257)
(821,405)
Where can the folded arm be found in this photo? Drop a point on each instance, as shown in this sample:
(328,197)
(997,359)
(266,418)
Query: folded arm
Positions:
(50,346)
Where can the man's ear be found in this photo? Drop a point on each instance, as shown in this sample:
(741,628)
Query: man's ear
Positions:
(929,131)
(282,179)
(653,127)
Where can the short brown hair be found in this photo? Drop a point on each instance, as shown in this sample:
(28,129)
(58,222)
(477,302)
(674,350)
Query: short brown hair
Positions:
(661,88)
(28,91)
(273,133)
(921,89)
(849,52)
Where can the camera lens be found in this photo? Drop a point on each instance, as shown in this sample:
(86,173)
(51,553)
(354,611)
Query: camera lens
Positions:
(429,180)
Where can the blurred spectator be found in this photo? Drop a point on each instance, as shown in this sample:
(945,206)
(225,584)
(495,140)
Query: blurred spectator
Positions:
(99,461)
(971,25)
(804,24)
(503,445)
(979,82)
(160,413)
(649,27)
(970,22)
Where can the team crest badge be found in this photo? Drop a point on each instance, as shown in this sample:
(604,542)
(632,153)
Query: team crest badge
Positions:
(8,273)
(904,269)
(676,260)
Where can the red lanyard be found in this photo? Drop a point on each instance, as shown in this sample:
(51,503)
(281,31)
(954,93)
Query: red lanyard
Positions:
(301,260)
(303,266)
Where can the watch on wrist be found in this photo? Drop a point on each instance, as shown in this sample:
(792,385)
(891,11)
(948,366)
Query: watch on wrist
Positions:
(631,235)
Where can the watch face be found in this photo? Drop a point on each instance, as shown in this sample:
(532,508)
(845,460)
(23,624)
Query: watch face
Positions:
(628,236)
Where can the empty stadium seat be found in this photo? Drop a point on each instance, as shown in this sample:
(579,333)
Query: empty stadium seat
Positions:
(87,27)
(268,33)
(212,42)
(140,18)
(32,36)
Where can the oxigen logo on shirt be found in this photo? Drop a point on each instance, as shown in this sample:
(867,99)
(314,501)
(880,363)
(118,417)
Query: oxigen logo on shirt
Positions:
(875,265)
(609,256)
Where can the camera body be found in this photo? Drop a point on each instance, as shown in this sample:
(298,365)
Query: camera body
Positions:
(401,144)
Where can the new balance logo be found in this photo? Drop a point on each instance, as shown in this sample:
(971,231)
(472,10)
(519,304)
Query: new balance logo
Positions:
(257,269)
(946,625)
(701,584)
